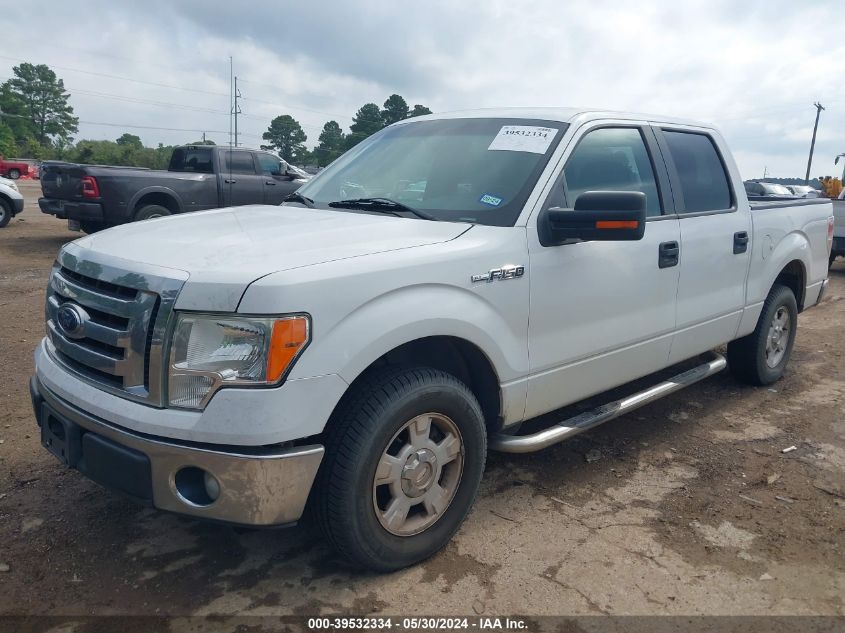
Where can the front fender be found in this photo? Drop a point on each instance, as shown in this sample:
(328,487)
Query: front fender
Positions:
(406,314)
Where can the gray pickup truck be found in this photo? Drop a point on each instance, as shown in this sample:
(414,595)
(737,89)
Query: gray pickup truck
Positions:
(94,197)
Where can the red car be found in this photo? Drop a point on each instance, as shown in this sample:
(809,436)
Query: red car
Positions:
(13,169)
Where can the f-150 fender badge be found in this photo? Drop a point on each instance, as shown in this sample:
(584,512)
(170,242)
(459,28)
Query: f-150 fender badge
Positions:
(498,274)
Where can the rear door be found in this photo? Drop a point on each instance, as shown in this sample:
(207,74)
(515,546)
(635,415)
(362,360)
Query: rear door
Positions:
(277,184)
(715,240)
(241,181)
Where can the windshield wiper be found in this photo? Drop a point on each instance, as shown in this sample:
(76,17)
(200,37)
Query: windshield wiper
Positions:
(298,197)
(385,205)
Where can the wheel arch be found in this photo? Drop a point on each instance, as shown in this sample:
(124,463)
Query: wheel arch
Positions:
(794,276)
(454,355)
(162,196)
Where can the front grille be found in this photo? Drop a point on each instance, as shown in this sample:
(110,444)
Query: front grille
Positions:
(119,346)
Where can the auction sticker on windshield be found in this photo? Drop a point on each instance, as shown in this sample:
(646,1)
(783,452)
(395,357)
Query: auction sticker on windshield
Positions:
(523,138)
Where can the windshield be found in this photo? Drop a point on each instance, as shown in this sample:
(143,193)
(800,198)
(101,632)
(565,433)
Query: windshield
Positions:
(468,170)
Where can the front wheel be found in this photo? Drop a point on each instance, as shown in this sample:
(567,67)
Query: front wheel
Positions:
(761,357)
(405,453)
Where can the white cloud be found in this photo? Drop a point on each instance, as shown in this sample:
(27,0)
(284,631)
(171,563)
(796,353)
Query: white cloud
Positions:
(753,68)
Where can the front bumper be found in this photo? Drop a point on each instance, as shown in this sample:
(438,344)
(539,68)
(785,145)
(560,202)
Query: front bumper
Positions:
(70,210)
(17,206)
(258,486)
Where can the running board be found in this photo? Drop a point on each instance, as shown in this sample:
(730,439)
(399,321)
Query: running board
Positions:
(589,419)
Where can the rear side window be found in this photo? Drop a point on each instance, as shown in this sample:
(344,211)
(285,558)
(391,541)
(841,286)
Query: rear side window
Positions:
(191,159)
(238,162)
(702,176)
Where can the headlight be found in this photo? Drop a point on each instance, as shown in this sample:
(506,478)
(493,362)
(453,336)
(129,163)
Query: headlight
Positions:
(213,351)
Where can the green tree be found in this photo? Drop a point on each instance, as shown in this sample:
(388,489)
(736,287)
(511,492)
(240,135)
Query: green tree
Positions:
(419,110)
(7,141)
(130,140)
(367,121)
(395,109)
(37,94)
(331,144)
(285,136)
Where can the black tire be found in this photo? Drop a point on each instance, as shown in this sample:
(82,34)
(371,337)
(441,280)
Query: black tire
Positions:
(151,211)
(361,431)
(89,226)
(5,213)
(14,174)
(747,355)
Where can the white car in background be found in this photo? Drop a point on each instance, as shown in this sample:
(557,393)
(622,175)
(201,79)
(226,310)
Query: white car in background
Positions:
(804,191)
(11,201)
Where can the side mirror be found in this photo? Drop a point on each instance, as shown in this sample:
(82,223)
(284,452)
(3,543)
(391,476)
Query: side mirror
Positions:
(608,216)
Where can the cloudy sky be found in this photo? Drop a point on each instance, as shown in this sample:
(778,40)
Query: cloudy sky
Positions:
(752,67)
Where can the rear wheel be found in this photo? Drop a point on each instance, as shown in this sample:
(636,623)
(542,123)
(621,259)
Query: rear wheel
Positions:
(5,213)
(404,458)
(761,357)
(151,211)
(14,174)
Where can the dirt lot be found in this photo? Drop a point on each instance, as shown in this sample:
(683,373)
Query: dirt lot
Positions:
(689,508)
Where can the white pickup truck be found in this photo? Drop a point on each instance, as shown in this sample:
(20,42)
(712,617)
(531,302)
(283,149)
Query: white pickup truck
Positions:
(357,350)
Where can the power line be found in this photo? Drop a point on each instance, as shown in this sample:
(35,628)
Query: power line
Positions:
(137,81)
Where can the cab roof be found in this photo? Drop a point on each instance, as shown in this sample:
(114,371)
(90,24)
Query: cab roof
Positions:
(564,115)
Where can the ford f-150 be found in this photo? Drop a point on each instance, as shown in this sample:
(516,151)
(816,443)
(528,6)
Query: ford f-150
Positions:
(357,350)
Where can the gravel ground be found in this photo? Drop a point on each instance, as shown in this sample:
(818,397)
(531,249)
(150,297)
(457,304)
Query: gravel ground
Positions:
(687,506)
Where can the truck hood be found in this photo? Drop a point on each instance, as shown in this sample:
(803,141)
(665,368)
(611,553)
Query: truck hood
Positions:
(225,250)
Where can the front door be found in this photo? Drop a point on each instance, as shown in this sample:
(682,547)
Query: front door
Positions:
(278,185)
(603,313)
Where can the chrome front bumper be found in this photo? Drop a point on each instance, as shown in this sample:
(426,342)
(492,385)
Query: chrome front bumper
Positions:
(255,486)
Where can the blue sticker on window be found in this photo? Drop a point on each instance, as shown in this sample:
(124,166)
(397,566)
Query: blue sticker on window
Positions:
(490,200)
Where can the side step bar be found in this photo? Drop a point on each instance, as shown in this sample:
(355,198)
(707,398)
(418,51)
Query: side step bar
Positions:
(589,419)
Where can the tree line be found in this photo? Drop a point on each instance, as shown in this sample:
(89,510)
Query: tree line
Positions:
(286,136)
(37,121)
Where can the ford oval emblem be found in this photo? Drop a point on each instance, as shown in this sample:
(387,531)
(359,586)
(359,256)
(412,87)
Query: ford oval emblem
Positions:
(72,319)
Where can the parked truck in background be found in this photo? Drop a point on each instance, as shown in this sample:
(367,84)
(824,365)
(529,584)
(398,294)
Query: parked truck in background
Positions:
(13,169)
(93,197)
(360,348)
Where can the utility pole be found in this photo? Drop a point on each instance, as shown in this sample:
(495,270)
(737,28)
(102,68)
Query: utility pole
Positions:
(236,110)
(203,138)
(231,99)
(819,107)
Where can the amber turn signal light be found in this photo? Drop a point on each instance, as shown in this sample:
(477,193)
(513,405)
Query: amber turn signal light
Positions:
(288,339)
(617,224)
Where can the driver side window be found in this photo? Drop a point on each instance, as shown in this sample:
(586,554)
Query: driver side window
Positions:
(271,165)
(611,159)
